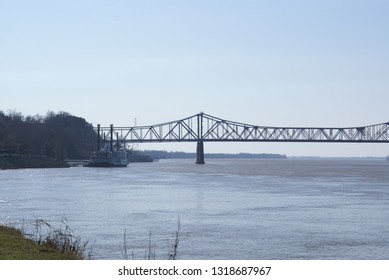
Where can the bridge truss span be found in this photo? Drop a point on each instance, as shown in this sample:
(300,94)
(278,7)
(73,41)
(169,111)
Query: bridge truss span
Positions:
(202,128)
(207,128)
(175,131)
(228,131)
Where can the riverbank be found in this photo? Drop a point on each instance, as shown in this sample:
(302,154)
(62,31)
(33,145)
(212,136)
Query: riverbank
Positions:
(15,246)
(15,161)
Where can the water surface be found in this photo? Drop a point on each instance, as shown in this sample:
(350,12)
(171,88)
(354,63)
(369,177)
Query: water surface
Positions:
(228,209)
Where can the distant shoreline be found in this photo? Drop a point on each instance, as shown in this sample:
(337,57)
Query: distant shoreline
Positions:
(20,161)
(17,161)
(156,155)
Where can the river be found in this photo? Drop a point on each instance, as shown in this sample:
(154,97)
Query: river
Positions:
(228,209)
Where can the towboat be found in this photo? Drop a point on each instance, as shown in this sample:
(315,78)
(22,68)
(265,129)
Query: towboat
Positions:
(108,158)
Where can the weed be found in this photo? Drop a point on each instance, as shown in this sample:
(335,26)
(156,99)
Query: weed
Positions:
(150,250)
(173,254)
(60,239)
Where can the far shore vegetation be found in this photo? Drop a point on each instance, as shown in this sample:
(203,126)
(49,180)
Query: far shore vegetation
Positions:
(43,141)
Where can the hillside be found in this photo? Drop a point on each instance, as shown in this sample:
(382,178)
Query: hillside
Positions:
(37,138)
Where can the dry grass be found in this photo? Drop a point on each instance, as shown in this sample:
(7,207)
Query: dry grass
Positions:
(14,245)
(61,239)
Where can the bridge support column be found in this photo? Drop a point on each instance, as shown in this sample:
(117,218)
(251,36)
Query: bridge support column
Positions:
(200,153)
(111,137)
(98,137)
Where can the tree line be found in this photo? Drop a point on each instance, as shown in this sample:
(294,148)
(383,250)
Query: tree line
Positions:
(56,135)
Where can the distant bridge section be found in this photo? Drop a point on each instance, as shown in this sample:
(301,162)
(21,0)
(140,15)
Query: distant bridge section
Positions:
(202,128)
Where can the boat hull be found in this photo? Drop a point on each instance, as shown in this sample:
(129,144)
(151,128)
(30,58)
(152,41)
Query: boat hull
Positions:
(104,164)
(107,158)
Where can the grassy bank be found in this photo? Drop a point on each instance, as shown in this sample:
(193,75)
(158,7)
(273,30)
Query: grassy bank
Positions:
(46,242)
(15,246)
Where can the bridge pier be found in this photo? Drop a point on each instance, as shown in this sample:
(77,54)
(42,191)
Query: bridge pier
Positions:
(98,137)
(200,153)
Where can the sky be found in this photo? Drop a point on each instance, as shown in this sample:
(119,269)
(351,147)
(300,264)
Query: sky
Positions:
(322,63)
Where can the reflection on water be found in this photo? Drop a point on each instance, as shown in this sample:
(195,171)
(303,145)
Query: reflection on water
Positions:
(229,209)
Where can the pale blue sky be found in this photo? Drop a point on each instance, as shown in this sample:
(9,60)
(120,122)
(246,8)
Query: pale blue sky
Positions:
(265,62)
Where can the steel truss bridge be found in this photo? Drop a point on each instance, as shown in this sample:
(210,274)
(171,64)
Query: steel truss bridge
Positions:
(202,128)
